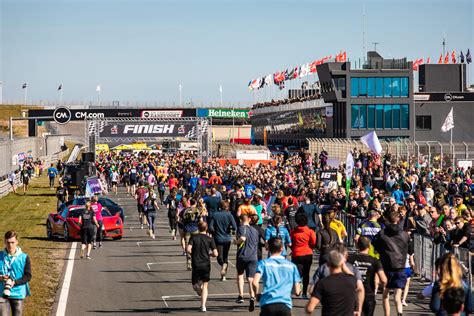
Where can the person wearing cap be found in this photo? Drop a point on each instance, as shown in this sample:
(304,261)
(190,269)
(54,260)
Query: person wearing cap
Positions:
(422,221)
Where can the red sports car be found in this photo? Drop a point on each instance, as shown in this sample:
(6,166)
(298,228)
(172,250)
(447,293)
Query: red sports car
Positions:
(66,224)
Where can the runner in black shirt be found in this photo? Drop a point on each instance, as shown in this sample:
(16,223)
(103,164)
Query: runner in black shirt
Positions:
(87,221)
(337,292)
(368,267)
(201,247)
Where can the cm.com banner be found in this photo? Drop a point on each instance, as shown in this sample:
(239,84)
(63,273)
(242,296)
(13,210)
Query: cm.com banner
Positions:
(224,113)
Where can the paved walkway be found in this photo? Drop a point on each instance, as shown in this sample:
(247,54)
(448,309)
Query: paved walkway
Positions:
(138,275)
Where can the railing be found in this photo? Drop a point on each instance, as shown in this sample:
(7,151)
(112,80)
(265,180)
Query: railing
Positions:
(431,153)
(426,253)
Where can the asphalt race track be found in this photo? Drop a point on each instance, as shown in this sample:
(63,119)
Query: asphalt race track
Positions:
(138,275)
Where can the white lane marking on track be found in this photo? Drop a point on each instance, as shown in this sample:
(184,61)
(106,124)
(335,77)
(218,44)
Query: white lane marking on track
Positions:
(153,263)
(66,282)
(164,298)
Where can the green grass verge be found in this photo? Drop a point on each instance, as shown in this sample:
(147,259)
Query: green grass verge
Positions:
(27,215)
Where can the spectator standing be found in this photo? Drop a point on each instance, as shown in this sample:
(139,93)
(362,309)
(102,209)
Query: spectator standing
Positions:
(279,277)
(392,245)
(450,277)
(62,193)
(200,248)
(15,270)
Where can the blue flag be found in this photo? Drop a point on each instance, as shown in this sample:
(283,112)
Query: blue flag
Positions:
(468,57)
(461,57)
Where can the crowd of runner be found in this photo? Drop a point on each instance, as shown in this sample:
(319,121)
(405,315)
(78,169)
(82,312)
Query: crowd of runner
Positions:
(283,219)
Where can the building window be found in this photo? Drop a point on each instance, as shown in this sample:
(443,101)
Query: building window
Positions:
(370,116)
(423,122)
(363,87)
(396,115)
(387,87)
(355,116)
(380,116)
(354,87)
(371,87)
(404,89)
(387,113)
(379,87)
(396,83)
(405,117)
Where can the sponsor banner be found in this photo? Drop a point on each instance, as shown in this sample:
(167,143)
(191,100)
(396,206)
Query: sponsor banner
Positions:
(63,115)
(93,187)
(328,175)
(445,97)
(224,113)
(149,129)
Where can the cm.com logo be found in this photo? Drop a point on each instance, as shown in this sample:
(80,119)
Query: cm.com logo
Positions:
(62,115)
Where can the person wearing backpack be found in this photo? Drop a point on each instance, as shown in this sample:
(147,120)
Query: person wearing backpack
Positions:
(189,218)
(172,203)
(326,238)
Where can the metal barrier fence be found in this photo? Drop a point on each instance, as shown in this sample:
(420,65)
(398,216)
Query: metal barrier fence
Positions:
(432,153)
(426,251)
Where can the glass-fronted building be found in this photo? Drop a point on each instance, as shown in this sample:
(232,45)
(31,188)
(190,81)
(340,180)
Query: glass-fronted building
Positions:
(377,97)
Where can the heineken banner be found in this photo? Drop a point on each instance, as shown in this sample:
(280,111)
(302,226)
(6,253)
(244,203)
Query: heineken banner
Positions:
(148,129)
(224,113)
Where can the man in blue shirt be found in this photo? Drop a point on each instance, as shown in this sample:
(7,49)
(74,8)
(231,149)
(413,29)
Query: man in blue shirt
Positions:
(279,277)
(52,172)
(249,188)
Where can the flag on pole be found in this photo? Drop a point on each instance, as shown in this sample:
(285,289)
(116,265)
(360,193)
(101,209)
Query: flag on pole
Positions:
(446,58)
(461,57)
(220,88)
(453,56)
(428,61)
(440,61)
(60,87)
(468,57)
(97,88)
(448,122)
(372,142)
(24,86)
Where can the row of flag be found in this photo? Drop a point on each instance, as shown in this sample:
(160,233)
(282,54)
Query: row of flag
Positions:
(301,71)
(25,85)
(445,59)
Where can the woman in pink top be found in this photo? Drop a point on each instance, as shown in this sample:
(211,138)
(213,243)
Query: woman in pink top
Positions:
(97,208)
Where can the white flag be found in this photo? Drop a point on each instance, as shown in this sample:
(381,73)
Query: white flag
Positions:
(448,122)
(268,79)
(349,165)
(97,88)
(220,88)
(372,141)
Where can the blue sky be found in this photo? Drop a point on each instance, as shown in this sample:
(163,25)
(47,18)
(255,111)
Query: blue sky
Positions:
(140,51)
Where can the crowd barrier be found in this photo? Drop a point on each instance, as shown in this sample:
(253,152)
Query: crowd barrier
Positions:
(426,251)
(6,188)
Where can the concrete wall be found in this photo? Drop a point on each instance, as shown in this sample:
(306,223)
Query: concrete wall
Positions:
(463,121)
